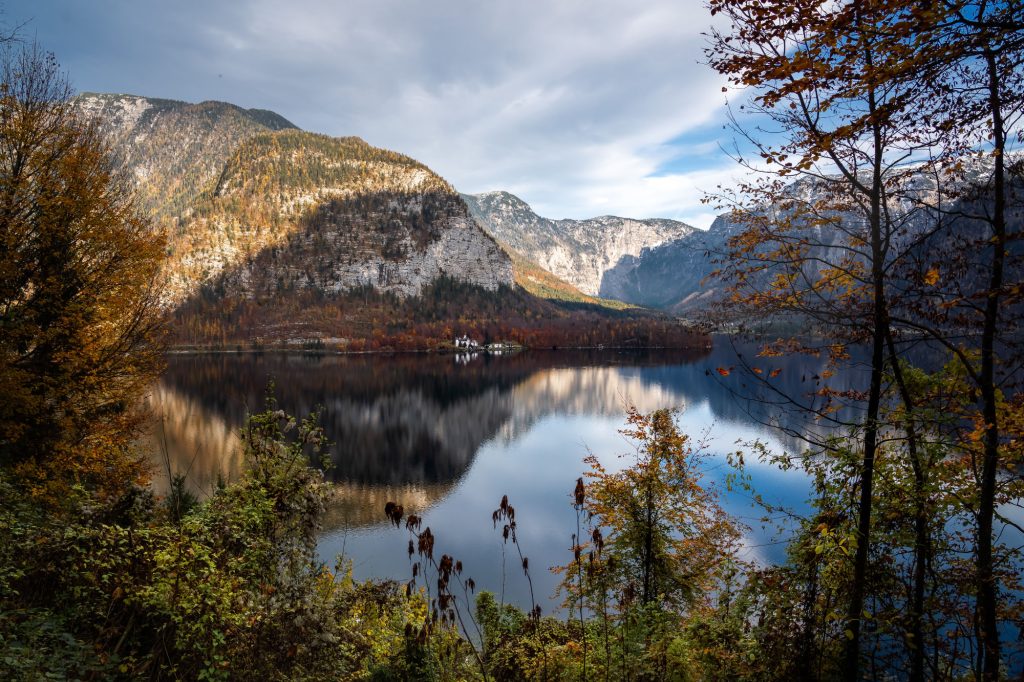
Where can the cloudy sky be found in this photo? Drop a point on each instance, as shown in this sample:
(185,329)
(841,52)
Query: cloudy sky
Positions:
(580,108)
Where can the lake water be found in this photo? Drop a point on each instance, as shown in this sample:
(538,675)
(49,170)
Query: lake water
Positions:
(447,436)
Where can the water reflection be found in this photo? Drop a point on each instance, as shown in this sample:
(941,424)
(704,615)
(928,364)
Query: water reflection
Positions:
(394,420)
(447,437)
(188,438)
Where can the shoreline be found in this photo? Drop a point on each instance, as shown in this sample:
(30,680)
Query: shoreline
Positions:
(422,351)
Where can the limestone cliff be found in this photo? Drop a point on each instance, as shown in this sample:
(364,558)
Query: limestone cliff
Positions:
(578,251)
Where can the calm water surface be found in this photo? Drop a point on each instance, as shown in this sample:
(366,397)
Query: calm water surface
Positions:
(447,436)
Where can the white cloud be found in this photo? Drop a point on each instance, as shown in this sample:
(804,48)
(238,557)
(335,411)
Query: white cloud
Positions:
(573,105)
(671,196)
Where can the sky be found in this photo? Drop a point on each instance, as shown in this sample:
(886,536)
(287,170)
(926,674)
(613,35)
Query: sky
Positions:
(579,108)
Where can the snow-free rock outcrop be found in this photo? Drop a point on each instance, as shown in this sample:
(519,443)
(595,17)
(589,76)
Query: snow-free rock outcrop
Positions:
(580,252)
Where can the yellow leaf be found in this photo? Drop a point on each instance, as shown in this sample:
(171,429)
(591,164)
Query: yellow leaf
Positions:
(931,278)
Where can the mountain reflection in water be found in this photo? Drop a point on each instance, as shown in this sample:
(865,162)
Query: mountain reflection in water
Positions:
(447,439)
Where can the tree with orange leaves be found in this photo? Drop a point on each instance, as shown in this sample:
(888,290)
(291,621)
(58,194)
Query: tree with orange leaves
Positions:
(822,249)
(79,322)
(666,532)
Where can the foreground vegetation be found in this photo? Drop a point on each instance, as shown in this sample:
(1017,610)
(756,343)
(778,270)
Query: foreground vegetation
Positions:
(168,589)
(231,587)
(127,586)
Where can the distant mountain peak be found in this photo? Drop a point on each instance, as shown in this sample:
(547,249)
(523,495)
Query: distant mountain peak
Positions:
(499,194)
(102,102)
(500,200)
(579,251)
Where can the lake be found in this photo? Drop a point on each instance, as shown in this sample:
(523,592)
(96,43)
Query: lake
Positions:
(448,435)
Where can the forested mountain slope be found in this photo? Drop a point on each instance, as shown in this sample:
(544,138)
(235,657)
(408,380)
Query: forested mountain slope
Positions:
(172,149)
(252,205)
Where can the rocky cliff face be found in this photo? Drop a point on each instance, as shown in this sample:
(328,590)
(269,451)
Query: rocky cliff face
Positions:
(253,206)
(579,251)
(674,275)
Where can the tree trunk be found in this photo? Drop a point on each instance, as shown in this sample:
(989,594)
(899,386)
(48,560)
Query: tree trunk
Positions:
(879,332)
(986,584)
(922,540)
(648,567)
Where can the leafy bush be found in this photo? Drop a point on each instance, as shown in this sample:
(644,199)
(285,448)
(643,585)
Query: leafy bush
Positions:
(229,588)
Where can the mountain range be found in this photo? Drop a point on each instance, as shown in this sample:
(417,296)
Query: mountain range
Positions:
(285,236)
(278,235)
(653,263)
